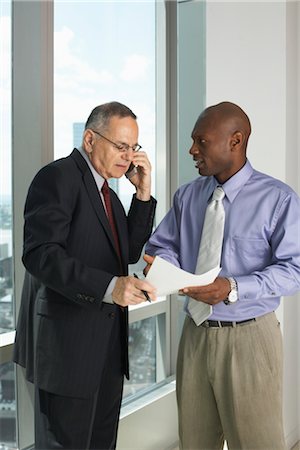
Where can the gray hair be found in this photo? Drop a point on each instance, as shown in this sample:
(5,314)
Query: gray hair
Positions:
(101,115)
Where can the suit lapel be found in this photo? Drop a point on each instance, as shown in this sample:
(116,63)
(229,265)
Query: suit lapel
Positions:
(96,201)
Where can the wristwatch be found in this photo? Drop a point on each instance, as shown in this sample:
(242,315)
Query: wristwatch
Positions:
(233,294)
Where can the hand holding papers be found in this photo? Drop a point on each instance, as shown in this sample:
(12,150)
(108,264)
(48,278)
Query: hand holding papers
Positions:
(169,279)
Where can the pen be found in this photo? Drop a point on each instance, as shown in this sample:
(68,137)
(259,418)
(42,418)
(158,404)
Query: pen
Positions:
(144,292)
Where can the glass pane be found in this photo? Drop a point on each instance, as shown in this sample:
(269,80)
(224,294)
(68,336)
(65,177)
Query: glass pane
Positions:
(144,364)
(114,59)
(6,263)
(7,407)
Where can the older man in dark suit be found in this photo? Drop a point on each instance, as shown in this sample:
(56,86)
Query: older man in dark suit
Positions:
(78,242)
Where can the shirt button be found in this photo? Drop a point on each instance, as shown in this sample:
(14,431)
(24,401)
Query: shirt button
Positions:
(111,315)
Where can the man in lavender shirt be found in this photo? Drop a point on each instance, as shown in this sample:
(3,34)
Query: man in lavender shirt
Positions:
(229,369)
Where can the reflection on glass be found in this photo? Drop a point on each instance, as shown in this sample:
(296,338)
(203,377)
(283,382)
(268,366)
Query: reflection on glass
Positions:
(142,356)
(7,407)
(6,265)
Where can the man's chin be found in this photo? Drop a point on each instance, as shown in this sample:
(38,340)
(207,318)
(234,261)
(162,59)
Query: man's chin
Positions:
(204,171)
(118,173)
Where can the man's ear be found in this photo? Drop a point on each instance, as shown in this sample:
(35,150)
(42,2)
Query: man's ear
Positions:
(88,140)
(237,140)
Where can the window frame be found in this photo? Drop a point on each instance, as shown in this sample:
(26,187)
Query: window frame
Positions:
(32,131)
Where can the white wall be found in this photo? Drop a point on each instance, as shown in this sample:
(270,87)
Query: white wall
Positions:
(252,59)
(246,65)
(291,305)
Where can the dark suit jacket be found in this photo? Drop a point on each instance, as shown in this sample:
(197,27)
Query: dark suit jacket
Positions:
(70,257)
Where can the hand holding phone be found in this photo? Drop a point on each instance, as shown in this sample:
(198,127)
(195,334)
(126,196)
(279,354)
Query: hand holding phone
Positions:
(131,171)
(139,174)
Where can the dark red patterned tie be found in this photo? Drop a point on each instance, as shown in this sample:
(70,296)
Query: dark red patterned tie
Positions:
(110,216)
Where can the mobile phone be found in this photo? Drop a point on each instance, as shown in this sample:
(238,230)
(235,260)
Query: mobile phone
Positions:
(131,171)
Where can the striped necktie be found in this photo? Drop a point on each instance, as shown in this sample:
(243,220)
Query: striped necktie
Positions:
(210,249)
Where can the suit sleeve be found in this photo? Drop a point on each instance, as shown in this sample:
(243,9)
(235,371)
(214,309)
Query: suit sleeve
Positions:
(140,223)
(165,241)
(49,211)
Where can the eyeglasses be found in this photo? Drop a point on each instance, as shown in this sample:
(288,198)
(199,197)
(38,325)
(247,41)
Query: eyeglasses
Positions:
(120,147)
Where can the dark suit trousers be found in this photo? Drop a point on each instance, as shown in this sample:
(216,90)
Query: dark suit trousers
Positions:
(76,423)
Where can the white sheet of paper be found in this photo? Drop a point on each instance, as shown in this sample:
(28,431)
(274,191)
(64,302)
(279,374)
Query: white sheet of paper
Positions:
(168,279)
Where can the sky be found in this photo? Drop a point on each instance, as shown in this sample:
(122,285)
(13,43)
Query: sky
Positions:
(103,51)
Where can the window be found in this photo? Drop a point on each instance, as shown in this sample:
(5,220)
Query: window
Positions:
(7,379)
(115,59)
(142,356)
(6,263)
(7,406)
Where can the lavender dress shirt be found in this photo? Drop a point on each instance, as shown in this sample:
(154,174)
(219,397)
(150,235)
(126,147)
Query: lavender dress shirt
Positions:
(261,247)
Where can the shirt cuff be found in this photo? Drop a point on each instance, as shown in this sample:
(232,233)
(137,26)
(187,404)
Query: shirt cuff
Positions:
(107,296)
(248,287)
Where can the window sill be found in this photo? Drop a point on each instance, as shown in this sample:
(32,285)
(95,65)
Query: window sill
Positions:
(147,399)
(150,421)
(6,346)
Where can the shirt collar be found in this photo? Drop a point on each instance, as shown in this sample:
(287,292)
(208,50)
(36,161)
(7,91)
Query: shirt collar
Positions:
(236,183)
(98,179)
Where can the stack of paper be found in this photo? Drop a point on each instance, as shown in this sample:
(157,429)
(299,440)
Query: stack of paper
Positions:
(169,279)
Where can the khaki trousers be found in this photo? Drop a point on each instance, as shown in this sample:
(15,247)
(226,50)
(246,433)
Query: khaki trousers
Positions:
(229,386)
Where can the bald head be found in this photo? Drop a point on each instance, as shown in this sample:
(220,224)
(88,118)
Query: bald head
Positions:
(220,137)
(230,117)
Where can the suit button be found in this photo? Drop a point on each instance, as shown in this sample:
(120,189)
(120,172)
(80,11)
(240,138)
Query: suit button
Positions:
(111,315)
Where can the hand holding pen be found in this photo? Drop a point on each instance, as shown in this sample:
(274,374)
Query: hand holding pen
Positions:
(130,290)
(144,292)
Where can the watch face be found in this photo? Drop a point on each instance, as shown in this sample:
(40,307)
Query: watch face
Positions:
(232,297)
